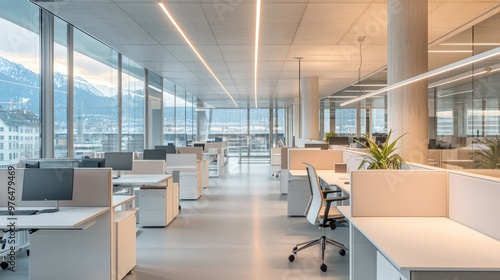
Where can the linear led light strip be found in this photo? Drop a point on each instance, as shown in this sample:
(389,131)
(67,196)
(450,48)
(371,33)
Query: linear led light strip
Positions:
(461,78)
(257,27)
(455,65)
(164,8)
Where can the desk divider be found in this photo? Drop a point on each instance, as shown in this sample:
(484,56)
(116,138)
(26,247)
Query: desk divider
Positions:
(474,202)
(182,160)
(320,159)
(198,151)
(352,159)
(147,167)
(399,193)
(92,188)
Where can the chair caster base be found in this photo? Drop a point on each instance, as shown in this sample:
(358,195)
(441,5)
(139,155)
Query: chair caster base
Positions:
(323,267)
(291,258)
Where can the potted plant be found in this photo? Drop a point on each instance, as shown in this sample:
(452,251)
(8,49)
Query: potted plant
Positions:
(489,158)
(382,157)
(329,135)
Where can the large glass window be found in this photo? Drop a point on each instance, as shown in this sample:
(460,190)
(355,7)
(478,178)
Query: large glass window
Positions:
(132,106)
(19,81)
(96,96)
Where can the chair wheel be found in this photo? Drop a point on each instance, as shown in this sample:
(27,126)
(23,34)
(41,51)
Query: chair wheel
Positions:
(323,267)
(342,252)
(4,265)
(28,252)
(333,226)
(291,258)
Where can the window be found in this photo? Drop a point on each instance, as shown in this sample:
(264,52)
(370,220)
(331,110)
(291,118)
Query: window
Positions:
(95,96)
(20,72)
(132,106)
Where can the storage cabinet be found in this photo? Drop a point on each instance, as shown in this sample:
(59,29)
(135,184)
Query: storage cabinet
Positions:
(125,242)
(386,271)
(299,194)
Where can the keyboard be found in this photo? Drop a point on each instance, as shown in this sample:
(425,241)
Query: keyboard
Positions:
(18,212)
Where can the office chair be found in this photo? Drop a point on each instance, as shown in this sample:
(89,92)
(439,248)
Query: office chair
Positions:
(322,214)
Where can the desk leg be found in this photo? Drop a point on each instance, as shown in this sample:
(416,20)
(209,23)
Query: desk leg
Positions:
(363,256)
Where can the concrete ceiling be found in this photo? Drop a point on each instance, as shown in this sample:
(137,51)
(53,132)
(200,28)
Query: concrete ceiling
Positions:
(324,32)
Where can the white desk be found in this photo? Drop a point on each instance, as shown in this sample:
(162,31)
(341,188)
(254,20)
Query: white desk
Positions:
(119,200)
(419,248)
(66,218)
(67,239)
(140,179)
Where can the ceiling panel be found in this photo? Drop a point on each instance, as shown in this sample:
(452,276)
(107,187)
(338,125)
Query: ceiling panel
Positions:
(324,32)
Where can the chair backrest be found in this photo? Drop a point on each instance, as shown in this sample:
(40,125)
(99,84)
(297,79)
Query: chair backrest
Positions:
(317,199)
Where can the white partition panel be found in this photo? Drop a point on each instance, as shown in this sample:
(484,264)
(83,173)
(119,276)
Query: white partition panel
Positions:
(393,193)
(474,202)
(352,159)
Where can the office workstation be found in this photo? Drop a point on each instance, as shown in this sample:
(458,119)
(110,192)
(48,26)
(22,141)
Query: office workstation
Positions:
(251,84)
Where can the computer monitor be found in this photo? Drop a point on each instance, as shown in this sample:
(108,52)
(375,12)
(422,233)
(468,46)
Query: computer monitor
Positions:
(93,163)
(339,140)
(48,184)
(118,161)
(31,164)
(202,145)
(159,154)
(218,139)
(317,145)
(169,148)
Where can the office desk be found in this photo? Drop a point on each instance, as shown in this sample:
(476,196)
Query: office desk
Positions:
(73,242)
(140,179)
(299,191)
(70,218)
(415,248)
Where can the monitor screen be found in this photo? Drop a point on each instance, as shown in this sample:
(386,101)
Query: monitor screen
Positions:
(48,184)
(339,141)
(93,163)
(155,154)
(118,160)
(316,145)
(170,149)
(202,145)
(218,139)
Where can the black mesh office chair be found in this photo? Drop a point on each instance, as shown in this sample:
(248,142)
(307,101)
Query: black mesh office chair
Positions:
(321,213)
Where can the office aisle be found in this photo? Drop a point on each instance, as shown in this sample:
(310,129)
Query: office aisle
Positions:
(237,230)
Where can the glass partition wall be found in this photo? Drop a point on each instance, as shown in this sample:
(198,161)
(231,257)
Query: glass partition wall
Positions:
(464,104)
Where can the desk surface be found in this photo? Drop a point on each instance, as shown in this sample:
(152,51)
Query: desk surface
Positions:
(65,218)
(122,199)
(330,177)
(141,179)
(428,243)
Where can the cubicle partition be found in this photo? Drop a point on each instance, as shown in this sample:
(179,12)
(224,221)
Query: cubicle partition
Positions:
(81,232)
(474,202)
(423,224)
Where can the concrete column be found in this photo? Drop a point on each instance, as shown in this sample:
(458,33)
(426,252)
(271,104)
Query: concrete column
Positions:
(407,57)
(310,108)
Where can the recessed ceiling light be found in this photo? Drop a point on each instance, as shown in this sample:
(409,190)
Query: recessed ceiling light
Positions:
(179,29)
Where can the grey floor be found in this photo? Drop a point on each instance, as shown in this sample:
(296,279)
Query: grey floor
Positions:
(237,230)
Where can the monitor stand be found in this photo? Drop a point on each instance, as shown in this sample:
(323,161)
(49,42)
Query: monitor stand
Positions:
(118,174)
(53,210)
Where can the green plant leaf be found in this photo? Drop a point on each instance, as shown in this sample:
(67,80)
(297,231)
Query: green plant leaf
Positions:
(383,157)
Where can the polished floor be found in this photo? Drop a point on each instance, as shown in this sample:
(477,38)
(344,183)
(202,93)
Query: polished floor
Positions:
(237,230)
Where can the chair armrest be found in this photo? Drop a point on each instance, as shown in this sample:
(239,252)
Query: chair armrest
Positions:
(327,192)
(335,198)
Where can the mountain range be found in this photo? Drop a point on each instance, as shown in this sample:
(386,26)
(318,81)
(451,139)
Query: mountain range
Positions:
(20,88)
